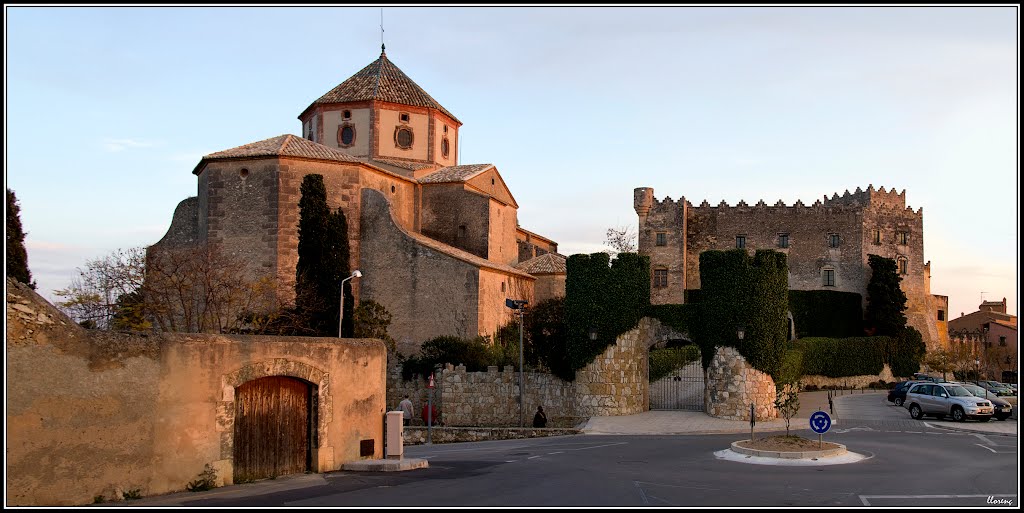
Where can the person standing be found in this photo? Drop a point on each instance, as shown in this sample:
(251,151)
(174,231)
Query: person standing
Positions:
(540,419)
(406,407)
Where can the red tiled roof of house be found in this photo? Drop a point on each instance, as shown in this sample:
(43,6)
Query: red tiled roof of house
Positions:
(455,174)
(548,263)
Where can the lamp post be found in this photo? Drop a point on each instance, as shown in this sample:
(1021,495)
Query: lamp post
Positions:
(740,332)
(518,305)
(341,309)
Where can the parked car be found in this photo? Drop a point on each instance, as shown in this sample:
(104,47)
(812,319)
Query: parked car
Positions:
(941,399)
(898,393)
(1001,408)
(994,388)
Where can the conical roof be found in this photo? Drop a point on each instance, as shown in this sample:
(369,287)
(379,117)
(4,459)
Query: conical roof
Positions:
(382,80)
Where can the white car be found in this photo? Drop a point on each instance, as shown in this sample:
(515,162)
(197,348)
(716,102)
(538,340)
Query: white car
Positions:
(941,399)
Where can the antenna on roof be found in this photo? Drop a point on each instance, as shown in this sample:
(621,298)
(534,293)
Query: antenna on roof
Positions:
(382,31)
(983,296)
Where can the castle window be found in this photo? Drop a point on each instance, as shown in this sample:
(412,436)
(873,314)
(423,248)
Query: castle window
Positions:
(243,172)
(403,137)
(876,236)
(660,278)
(901,238)
(444,147)
(942,315)
(503,286)
(346,135)
(902,263)
(1002,341)
(741,241)
(829,277)
(403,117)
(446,129)
(833,240)
(783,240)
(462,231)
(346,114)
(661,239)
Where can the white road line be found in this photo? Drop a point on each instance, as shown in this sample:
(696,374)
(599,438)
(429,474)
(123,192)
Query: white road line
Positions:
(984,447)
(532,457)
(556,452)
(915,432)
(597,446)
(864,498)
(641,490)
(986,440)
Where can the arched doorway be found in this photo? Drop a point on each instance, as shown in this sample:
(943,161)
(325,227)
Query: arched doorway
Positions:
(273,428)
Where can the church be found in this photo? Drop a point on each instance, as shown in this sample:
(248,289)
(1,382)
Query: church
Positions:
(437,242)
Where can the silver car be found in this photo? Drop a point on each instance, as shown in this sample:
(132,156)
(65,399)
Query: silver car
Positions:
(941,399)
(1001,408)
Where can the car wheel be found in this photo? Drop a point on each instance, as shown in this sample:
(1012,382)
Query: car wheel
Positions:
(958,414)
(898,401)
(915,412)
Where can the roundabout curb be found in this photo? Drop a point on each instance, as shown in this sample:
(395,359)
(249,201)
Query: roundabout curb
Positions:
(794,455)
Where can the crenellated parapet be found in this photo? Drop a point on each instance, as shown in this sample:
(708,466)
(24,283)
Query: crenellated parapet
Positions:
(879,199)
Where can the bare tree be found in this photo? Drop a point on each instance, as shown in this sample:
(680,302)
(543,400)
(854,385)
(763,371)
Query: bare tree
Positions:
(92,297)
(621,239)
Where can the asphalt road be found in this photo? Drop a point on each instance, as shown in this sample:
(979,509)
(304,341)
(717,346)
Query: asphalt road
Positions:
(908,463)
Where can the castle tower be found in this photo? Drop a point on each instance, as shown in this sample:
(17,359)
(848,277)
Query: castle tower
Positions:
(381,114)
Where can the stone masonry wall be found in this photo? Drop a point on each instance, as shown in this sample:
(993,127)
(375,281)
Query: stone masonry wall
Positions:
(848,381)
(93,413)
(731,385)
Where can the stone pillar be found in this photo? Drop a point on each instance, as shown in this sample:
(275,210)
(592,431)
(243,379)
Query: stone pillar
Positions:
(731,385)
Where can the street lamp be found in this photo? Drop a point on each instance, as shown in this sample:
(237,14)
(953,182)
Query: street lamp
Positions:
(518,305)
(740,332)
(592,334)
(341,309)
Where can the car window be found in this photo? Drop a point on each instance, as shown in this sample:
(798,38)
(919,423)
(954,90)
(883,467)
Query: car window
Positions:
(959,391)
(938,390)
(922,389)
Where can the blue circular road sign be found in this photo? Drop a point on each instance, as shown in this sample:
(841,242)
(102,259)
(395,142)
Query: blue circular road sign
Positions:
(820,422)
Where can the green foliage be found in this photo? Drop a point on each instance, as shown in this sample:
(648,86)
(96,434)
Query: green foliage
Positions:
(609,299)
(545,337)
(130,313)
(787,399)
(691,296)
(826,313)
(104,287)
(841,357)
(207,480)
(663,361)
(132,494)
(905,351)
(99,499)
(17,257)
(323,261)
(886,301)
(681,318)
(737,290)
(371,320)
(475,354)
(792,368)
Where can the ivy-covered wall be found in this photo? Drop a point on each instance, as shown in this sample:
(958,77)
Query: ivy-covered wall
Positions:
(610,297)
(752,292)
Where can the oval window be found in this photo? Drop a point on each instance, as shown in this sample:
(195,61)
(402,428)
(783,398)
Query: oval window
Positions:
(347,135)
(444,147)
(403,138)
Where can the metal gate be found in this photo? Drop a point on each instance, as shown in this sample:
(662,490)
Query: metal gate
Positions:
(683,389)
(272,427)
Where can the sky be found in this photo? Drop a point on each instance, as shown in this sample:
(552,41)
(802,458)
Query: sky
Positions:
(109,108)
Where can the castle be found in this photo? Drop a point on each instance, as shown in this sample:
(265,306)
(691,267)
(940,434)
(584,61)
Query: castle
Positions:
(826,245)
(437,242)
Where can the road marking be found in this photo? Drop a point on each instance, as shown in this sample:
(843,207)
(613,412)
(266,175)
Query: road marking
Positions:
(983,447)
(864,498)
(915,432)
(986,440)
(556,452)
(597,446)
(532,457)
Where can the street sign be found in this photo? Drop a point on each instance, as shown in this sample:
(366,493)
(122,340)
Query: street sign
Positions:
(820,422)
(430,384)
(515,304)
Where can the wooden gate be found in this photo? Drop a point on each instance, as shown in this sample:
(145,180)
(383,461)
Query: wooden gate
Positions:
(683,389)
(272,428)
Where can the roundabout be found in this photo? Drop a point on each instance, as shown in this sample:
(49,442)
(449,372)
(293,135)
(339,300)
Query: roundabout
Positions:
(788,451)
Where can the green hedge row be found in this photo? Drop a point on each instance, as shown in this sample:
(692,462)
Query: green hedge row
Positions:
(826,313)
(664,361)
(681,318)
(856,356)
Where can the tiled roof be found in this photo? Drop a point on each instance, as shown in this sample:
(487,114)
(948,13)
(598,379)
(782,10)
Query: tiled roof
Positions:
(404,164)
(548,263)
(463,255)
(382,80)
(287,145)
(455,174)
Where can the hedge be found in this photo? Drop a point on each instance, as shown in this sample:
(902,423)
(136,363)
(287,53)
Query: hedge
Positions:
(841,357)
(826,313)
(681,318)
(664,361)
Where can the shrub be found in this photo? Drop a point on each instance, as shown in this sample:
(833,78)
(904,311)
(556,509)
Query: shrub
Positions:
(132,494)
(826,313)
(841,357)
(207,480)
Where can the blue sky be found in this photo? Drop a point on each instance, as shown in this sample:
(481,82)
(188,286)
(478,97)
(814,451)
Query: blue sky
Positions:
(108,109)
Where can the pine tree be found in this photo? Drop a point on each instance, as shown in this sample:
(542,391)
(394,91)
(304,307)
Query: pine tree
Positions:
(17,257)
(886,301)
(323,261)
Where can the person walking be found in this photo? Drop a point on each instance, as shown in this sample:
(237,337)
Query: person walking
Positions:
(406,407)
(540,419)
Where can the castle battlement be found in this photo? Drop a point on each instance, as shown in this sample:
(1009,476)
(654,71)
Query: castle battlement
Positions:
(879,199)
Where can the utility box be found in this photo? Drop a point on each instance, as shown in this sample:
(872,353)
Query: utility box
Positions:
(394,442)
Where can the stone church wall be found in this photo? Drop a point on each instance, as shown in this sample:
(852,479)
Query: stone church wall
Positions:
(93,413)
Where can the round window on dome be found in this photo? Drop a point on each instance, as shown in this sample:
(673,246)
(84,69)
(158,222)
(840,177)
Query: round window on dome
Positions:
(346,135)
(403,137)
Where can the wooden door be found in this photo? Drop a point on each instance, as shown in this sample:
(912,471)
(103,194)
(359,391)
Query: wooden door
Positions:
(272,426)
